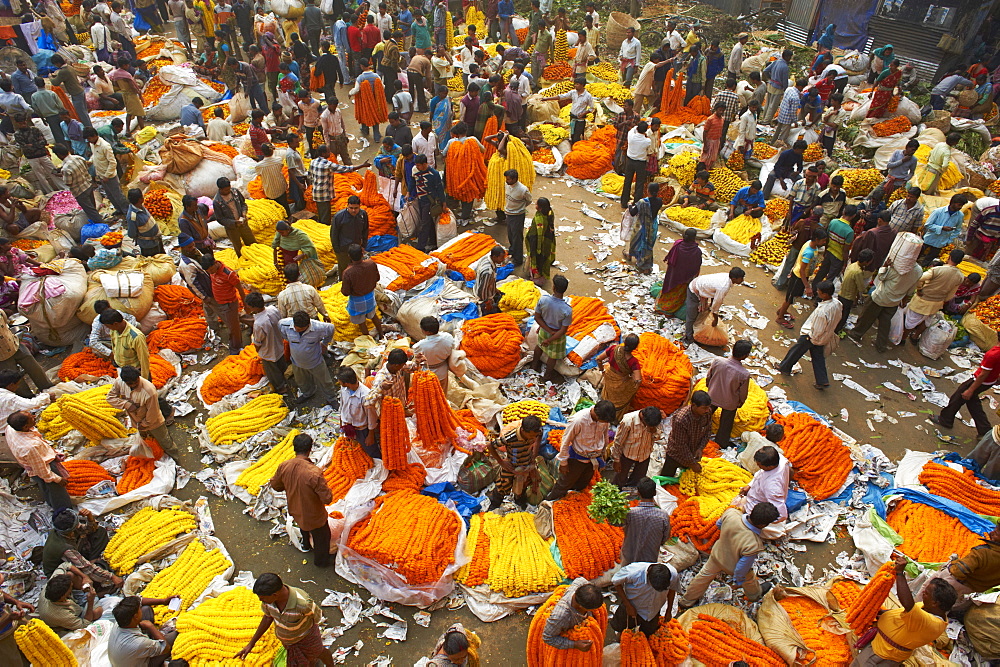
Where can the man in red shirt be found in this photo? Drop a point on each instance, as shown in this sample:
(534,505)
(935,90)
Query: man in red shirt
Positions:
(355,39)
(271,50)
(225,304)
(370,37)
(258,135)
(968,393)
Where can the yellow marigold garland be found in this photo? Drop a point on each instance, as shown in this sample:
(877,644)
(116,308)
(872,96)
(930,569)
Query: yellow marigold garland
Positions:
(257,415)
(147,530)
(218,628)
(188,577)
(263,469)
(42,646)
(520,560)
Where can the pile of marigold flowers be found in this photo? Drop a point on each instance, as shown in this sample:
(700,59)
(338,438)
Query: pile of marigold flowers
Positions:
(411,266)
(929,535)
(962,487)
(557,71)
(146,531)
(715,642)
(85,362)
(414,535)
(492,344)
(180,335)
(111,239)
(666,373)
(263,469)
(715,486)
(160,370)
(763,151)
(138,472)
(736,161)
(177,301)
(254,417)
(464,251)
(588,548)
(436,421)
(84,474)
(988,312)
(589,313)
(821,460)
(689,523)
(519,295)
(635,649)
(255,267)
(863,611)
(53,425)
(410,478)
(232,374)
(348,464)
(807,617)
(477,550)
(813,152)
(158,204)
(751,416)
(543,155)
(225,149)
(218,628)
(541,654)
(845,592)
(588,160)
(887,128)
(521,409)
(670,644)
(91,415)
(42,646)
(28,245)
(520,560)
(777,209)
(188,576)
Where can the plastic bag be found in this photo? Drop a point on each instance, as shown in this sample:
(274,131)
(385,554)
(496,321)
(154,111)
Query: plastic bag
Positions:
(707,334)
(239,107)
(937,337)
(447,227)
(408,219)
(896,327)
(477,473)
(628,220)
(680,554)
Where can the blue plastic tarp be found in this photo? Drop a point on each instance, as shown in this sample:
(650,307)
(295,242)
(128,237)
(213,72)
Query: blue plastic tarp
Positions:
(873,494)
(381,243)
(970,520)
(794,500)
(470,312)
(434,288)
(93,230)
(466,504)
(851,18)
(46,42)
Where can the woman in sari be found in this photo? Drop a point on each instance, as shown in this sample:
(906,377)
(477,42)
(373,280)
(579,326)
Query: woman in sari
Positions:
(488,108)
(541,241)
(385,159)
(622,375)
(457,647)
(442,116)
(825,42)
(880,61)
(683,266)
(645,229)
(885,84)
(293,246)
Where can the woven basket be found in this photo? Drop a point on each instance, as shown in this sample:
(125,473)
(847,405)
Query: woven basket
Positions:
(939,120)
(978,181)
(618,23)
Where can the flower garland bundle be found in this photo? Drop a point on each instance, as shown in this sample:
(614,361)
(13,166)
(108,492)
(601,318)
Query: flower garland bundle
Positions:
(715,486)
(348,464)
(807,617)
(777,209)
(887,128)
(232,374)
(84,474)
(520,560)
(588,548)
(860,182)
(468,421)
(369,105)
(672,94)
(465,170)
(412,265)
(588,314)
(521,409)
(181,335)
(85,362)
(742,228)
(410,478)
(714,642)
(436,421)
(555,438)
(682,166)
(111,239)
(692,113)
(51,422)
(158,204)
(160,370)
(225,149)
(666,373)
(218,628)
(689,524)
(254,417)
(751,416)
(689,216)
(519,295)
(635,648)
(263,215)
(381,220)
(862,613)
(177,301)
(28,244)
(846,592)
(670,644)
(477,550)
(726,182)
(395,434)
(263,469)
(493,126)
(821,460)
(465,251)
(929,535)
(606,135)
(188,576)
(813,152)
(588,160)
(962,487)
(336,305)
(493,344)
(736,161)
(138,472)
(146,531)
(255,267)
(412,534)
(319,234)
(592,629)
(519,158)
(92,415)
(772,251)
(42,646)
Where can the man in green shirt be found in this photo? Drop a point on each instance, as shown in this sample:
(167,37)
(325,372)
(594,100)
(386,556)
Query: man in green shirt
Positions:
(48,105)
(840,233)
(67,77)
(543,51)
(128,344)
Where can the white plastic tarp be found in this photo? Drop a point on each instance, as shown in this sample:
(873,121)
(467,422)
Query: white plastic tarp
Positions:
(184,86)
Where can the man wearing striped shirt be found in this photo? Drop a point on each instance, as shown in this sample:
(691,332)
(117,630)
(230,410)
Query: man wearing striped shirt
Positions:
(634,444)
(295,618)
(76,174)
(582,449)
(647,527)
(271,177)
(321,172)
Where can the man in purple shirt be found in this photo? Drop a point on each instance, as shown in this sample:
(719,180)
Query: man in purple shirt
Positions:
(728,383)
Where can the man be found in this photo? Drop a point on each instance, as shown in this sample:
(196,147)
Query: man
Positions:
(307,340)
(735,63)
(230,208)
(269,168)
(878,239)
(937,286)
(350,227)
(517,197)
(731,104)
(769,484)
(14,355)
(106,169)
(389,65)
(803,195)
(906,214)
(434,349)
(358,284)
(967,394)
(787,167)
(905,629)
(575,606)
(893,283)
(777,81)
(800,279)
(948,83)
(267,340)
(817,332)
(900,169)
(430,199)
(40,462)
(485,287)
(976,571)
(581,104)
(35,151)
(515,451)
(708,292)
(734,553)
(136,640)
(391,381)
(308,495)
(56,606)
(295,618)
(838,248)
(298,296)
(74,172)
(137,397)
(582,450)
(128,344)
(219,128)
(939,159)
(69,80)
(788,110)
(773,434)
(23,81)
(553,316)
(747,129)
(358,422)
(227,294)
(728,383)
(643,588)
(335,138)
(629,55)
(418,76)
(178,16)
(691,427)
(77,540)
(646,526)
(99,340)
(311,25)
(636,153)
(943,226)
(48,105)
(191,113)
(321,172)
(398,130)
(141,227)
(697,73)
(633,445)
(748,200)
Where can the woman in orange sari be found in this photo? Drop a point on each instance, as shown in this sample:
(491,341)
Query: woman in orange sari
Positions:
(885,85)
(622,375)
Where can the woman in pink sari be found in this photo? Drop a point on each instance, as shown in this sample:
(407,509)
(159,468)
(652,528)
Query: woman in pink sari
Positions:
(885,84)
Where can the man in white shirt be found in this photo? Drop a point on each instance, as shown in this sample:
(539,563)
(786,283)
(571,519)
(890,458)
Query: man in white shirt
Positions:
(819,329)
(582,448)
(636,155)
(357,422)
(629,54)
(675,38)
(218,127)
(769,484)
(643,589)
(582,104)
(106,169)
(425,143)
(735,64)
(708,293)
(434,349)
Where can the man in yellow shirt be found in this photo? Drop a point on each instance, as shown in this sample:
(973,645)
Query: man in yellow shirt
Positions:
(903,630)
(128,344)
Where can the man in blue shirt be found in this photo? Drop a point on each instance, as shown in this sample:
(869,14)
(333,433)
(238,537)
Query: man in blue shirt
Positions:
(307,340)
(24,81)
(643,589)
(505,10)
(191,113)
(430,199)
(405,19)
(942,227)
(343,48)
(747,200)
(776,84)
(788,167)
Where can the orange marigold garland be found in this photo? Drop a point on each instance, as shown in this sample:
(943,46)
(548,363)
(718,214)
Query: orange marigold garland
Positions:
(715,642)
(395,434)
(962,487)
(138,472)
(412,534)
(929,535)
(493,344)
(369,105)
(666,373)
(409,478)
(687,523)
(84,474)
(158,204)
(846,592)
(180,335)
(588,160)
(412,265)
(232,374)
(465,170)
(588,548)
(635,649)
(467,420)
(821,460)
(177,301)
(492,127)
(477,549)
(464,251)
(807,617)
(861,614)
(592,629)
(348,464)
(670,644)
(85,362)
(436,421)
(160,370)
(887,128)
(588,314)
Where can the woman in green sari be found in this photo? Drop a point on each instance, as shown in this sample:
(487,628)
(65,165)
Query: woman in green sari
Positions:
(541,240)
(487,108)
(293,246)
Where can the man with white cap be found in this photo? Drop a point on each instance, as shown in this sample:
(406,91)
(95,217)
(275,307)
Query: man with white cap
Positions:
(735,64)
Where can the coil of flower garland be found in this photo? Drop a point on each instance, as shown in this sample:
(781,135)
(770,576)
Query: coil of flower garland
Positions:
(493,344)
(177,301)
(436,421)
(263,469)
(462,252)
(255,267)
(688,523)
(588,160)
(232,374)
(477,550)
(541,654)
(160,371)
(808,617)
(42,646)
(188,577)
(411,266)
(962,487)
(465,170)
(91,415)
(348,464)
(520,560)
(218,628)
(410,478)
(146,531)
(51,422)
(84,474)
(670,644)
(588,548)
(715,642)
(181,335)
(85,362)
(821,460)
(138,472)
(254,417)
(519,296)
(395,434)
(521,409)
(666,374)
(929,535)
(845,592)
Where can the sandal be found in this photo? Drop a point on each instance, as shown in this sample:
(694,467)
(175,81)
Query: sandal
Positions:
(785,323)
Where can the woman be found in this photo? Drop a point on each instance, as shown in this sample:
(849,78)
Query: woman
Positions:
(885,84)
(13,263)
(103,91)
(622,375)
(457,647)
(442,116)
(15,217)
(683,266)
(486,109)
(541,240)
(205,10)
(385,160)
(293,246)
(126,86)
(881,58)
(645,229)
(825,43)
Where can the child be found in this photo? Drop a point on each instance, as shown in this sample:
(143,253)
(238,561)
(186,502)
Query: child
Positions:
(799,281)
(402,101)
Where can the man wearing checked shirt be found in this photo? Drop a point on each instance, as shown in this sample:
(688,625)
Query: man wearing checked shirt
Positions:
(321,172)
